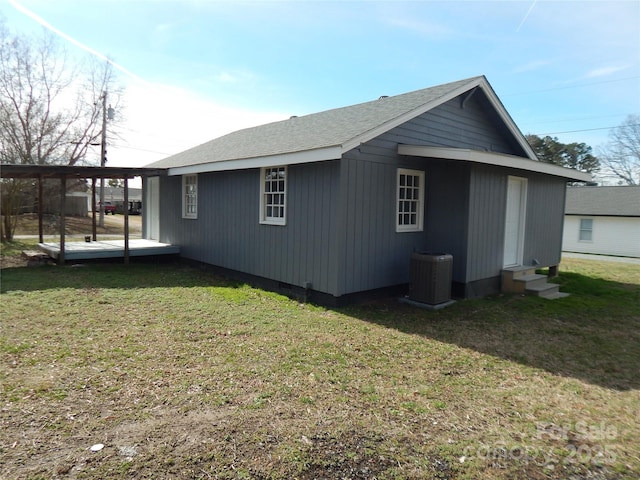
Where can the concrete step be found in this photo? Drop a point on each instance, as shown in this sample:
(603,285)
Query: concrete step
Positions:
(518,281)
(519,271)
(525,280)
(35,257)
(531,280)
(543,290)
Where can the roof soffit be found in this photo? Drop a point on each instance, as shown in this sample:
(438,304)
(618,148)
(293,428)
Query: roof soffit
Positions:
(492,158)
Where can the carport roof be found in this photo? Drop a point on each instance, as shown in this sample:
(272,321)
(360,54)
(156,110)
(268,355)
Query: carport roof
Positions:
(66,171)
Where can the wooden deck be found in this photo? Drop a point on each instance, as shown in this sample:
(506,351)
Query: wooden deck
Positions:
(108,249)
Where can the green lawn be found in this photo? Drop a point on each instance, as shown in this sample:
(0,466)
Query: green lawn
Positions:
(183,374)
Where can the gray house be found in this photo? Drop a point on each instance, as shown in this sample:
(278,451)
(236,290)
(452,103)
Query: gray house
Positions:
(334,203)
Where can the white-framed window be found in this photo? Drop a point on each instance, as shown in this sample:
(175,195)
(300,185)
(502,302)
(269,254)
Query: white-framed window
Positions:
(410,200)
(273,195)
(586,230)
(189,196)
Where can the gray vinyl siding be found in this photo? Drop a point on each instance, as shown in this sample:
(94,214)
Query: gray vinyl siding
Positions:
(227,232)
(451,125)
(487,210)
(373,254)
(545,220)
(448,125)
(447,212)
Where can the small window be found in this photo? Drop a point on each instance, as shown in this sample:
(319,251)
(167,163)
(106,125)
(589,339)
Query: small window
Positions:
(586,230)
(410,201)
(189,196)
(273,197)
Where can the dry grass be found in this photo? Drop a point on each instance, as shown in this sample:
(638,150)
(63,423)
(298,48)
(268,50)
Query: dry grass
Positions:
(113,225)
(182,374)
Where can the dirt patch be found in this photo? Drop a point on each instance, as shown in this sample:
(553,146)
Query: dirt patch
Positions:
(13,261)
(351,455)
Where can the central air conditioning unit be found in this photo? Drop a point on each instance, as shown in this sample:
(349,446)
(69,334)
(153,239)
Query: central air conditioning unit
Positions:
(431,275)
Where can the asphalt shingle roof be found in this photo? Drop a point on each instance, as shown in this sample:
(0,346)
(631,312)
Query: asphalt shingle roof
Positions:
(310,132)
(623,201)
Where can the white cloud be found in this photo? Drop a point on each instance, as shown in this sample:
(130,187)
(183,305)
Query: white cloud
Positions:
(604,71)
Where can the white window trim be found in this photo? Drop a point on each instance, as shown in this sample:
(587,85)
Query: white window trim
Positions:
(263,214)
(580,230)
(419,226)
(185,213)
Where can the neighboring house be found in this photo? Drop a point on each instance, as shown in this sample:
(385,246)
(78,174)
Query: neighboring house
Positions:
(334,203)
(116,194)
(78,204)
(603,220)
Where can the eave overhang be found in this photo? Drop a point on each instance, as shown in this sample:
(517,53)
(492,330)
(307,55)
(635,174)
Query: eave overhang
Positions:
(492,158)
(293,158)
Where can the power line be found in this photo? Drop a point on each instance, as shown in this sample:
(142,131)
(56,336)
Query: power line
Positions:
(572,86)
(140,149)
(586,130)
(577,119)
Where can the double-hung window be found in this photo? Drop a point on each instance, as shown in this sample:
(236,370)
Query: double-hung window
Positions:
(189,196)
(410,200)
(273,195)
(586,230)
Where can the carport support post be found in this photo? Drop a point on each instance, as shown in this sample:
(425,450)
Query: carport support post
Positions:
(40,229)
(63,207)
(93,208)
(126,220)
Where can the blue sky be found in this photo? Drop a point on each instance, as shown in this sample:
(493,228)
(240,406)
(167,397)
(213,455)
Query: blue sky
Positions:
(195,70)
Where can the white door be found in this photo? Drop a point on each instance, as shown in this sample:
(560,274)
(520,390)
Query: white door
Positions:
(514,221)
(152,208)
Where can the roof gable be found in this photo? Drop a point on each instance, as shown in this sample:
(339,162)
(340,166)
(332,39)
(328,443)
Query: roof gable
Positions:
(327,135)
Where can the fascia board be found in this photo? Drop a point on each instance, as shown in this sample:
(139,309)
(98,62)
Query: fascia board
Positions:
(308,156)
(490,158)
(609,215)
(385,127)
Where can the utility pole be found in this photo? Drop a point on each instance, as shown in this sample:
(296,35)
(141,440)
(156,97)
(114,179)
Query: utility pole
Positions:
(103,154)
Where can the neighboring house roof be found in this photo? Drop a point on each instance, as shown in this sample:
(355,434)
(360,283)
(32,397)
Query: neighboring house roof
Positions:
(117,193)
(329,134)
(623,201)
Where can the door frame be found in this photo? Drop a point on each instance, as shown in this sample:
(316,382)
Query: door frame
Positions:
(522,214)
(151,208)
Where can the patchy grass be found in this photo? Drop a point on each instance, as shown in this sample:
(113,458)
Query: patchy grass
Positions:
(182,374)
(16,247)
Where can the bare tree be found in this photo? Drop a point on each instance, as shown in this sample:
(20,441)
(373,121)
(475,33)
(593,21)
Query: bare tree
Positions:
(50,109)
(621,156)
